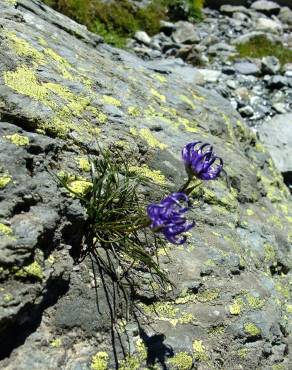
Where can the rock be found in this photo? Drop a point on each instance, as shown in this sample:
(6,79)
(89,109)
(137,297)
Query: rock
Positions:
(210,75)
(142,37)
(219,47)
(185,33)
(246,68)
(280,108)
(266,7)
(167,27)
(250,35)
(277,136)
(277,82)
(285,16)
(246,111)
(231,9)
(270,65)
(265,24)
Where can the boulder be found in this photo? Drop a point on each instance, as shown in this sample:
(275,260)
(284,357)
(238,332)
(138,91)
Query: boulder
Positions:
(185,33)
(266,24)
(277,136)
(266,7)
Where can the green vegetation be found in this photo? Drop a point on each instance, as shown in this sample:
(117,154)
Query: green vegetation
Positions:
(118,20)
(260,46)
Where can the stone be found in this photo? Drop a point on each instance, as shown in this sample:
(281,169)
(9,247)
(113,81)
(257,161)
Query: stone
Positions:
(142,37)
(270,65)
(231,9)
(265,24)
(167,27)
(246,68)
(266,7)
(210,75)
(280,108)
(276,134)
(285,15)
(246,111)
(277,82)
(185,33)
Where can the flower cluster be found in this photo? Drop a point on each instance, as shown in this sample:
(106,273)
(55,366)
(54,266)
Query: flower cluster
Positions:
(167,216)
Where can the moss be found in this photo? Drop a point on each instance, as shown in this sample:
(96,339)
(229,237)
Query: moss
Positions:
(99,361)
(4,181)
(157,95)
(181,361)
(154,175)
(251,329)
(260,46)
(236,307)
(33,270)
(5,230)
(56,343)
(19,140)
(151,140)
(83,164)
(255,302)
(111,101)
(199,349)
(270,253)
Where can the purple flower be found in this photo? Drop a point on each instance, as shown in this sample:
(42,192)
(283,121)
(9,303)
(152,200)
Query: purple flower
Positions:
(201,161)
(167,217)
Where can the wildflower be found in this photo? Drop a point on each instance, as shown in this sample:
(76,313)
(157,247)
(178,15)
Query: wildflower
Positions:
(167,217)
(201,162)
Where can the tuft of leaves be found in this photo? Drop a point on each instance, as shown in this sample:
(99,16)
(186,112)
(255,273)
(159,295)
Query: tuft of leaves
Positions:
(116,219)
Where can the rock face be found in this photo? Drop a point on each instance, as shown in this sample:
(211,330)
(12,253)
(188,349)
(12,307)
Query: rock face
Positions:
(61,93)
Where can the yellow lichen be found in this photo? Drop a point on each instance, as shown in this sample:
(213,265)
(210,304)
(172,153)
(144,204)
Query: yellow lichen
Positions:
(181,361)
(80,187)
(23,48)
(270,253)
(158,95)
(188,101)
(134,111)
(242,352)
(199,349)
(62,64)
(56,343)
(11,2)
(4,181)
(111,101)
(208,295)
(288,308)
(19,140)
(151,140)
(7,297)
(33,270)
(83,164)
(255,302)
(251,329)
(249,212)
(236,307)
(135,361)
(159,78)
(154,175)
(99,361)
(5,230)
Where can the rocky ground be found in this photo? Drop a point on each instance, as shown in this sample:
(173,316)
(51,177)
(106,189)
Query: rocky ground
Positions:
(260,89)
(62,93)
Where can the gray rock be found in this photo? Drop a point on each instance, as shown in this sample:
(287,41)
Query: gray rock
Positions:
(185,33)
(280,108)
(285,16)
(277,82)
(246,111)
(142,37)
(265,24)
(210,75)
(270,65)
(276,134)
(247,68)
(266,6)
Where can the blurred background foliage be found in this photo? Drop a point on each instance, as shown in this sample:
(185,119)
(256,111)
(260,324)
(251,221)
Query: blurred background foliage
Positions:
(119,19)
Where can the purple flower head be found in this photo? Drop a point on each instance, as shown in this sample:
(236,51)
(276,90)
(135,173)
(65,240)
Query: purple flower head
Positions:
(167,217)
(201,161)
